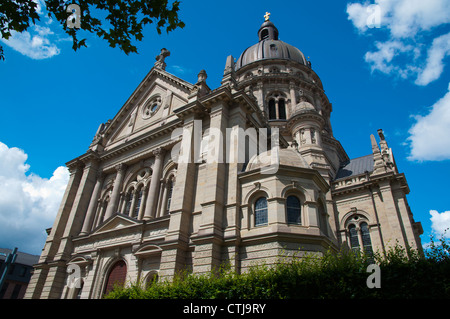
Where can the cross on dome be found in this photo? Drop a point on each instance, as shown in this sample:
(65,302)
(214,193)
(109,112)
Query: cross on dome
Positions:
(266,16)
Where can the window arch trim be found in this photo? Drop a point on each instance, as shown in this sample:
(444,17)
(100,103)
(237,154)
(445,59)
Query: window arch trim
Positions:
(358,233)
(277,105)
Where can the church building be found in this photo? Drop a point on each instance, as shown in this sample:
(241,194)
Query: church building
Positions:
(189,177)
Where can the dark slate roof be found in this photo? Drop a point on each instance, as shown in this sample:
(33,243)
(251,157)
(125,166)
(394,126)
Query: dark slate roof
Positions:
(22,258)
(356,166)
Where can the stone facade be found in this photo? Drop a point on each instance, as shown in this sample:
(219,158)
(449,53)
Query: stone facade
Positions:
(133,197)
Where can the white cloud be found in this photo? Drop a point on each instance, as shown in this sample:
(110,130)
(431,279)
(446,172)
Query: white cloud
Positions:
(177,69)
(408,23)
(403,18)
(440,222)
(435,61)
(429,136)
(359,15)
(38,42)
(37,46)
(382,60)
(28,203)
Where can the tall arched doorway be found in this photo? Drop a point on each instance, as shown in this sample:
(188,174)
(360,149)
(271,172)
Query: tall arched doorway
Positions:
(117,276)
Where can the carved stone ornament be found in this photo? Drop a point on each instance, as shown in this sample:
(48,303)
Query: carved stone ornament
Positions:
(160,64)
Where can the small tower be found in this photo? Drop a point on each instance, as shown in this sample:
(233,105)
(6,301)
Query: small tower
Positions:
(290,95)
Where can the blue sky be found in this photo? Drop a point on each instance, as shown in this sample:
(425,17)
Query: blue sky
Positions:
(382,66)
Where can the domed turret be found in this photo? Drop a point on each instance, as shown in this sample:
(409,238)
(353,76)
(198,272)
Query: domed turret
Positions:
(269,47)
(286,156)
(289,94)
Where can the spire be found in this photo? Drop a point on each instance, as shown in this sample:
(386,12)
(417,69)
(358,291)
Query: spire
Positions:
(386,152)
(383,161)
(378,165)
(229,76)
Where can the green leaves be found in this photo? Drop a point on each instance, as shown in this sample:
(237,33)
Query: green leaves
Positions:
(405,273)
(119,22)
(16,16)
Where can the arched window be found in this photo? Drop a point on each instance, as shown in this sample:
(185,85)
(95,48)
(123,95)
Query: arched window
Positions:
(293,210)
(129,200)
(354,242)
(272,111)
(277,106)
(264,34)
(103,209)
(137,205)
(261,213)
(116,276)
(365,236)
(359,234)
(135,189)
(169,195)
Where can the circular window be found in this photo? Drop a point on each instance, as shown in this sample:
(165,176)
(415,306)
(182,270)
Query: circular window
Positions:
(151,107)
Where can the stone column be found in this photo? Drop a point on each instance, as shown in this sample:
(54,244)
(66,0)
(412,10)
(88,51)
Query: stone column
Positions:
(87,225)
(114,201)
(152,198)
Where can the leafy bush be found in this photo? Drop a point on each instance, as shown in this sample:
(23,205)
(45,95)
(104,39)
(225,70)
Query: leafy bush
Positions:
(404,273)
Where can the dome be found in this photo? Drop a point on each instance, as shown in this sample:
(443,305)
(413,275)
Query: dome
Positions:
(287,156)
(303,106)
(269,47)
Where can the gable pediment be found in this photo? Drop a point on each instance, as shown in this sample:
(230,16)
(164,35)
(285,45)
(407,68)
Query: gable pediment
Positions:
(151,103)
(116,222)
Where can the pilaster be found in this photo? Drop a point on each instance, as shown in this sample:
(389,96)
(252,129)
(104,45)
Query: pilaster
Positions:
(57,271)
(37,281)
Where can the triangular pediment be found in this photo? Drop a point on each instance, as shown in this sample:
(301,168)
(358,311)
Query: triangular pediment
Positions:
(151,104)
(116,222)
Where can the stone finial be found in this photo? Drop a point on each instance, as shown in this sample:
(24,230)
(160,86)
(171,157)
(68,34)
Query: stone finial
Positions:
(202,76)
(385,150)
(382,155)
(378,165)
(160,64)
(200,88)
(229,75)
(383,142)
